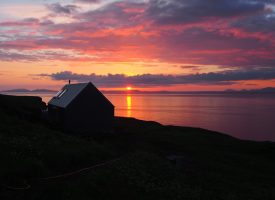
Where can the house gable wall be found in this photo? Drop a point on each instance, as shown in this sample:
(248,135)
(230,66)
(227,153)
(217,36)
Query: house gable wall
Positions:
(89,111)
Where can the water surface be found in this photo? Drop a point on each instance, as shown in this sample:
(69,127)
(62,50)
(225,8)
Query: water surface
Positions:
(242,116)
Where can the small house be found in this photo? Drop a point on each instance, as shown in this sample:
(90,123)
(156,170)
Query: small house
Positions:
(81,108)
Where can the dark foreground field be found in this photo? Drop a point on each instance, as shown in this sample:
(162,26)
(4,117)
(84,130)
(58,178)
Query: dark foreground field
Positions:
(141,160)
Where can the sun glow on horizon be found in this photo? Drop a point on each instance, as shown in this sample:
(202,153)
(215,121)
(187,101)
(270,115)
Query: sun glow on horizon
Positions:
(129,88)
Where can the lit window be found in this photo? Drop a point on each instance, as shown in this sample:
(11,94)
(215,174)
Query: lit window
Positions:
(60,93)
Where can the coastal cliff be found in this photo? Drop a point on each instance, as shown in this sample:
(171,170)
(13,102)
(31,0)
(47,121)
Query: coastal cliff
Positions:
(139,160)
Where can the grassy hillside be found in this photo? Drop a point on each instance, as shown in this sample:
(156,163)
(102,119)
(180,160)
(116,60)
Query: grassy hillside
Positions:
(208,165)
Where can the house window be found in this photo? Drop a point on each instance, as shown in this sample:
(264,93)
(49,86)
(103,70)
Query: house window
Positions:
(60,93)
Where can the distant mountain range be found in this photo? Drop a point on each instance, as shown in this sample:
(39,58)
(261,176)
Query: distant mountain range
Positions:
(263,90)
(268,90)
(29,91)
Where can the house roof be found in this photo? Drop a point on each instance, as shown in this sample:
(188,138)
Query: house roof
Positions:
(69,92)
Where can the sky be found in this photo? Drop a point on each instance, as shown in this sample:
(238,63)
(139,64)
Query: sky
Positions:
(179,45)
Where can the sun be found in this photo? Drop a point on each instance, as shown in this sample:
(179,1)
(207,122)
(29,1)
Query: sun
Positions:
(129,88)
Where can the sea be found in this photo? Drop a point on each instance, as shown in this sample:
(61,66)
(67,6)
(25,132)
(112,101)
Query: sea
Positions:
(244,116)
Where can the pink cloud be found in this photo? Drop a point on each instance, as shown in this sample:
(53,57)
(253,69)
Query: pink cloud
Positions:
(125,31)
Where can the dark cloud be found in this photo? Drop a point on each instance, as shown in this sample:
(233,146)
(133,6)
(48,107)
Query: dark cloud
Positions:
(256,23)
(23,56)
(57,8)
(186,11)
(24,22)
(192,67)
(117,14)
(88,1)
(144,80)
(15,56)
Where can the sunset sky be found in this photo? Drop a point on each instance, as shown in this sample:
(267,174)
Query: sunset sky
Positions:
(178,45)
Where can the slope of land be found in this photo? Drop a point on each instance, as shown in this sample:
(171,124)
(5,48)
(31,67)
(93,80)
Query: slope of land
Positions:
(147,161)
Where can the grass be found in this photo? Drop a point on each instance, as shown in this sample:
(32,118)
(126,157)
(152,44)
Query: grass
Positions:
(212,165)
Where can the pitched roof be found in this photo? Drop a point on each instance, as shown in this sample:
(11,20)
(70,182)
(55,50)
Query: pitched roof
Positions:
(68,93)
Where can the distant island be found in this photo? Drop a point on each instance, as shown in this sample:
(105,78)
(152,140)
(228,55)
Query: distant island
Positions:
(267,90)
(262,90)
(22,90)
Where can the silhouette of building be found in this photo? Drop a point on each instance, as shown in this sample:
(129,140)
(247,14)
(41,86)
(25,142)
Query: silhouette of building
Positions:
(81,108)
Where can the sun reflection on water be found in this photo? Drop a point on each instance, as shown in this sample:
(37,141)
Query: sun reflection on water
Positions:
(129,105)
